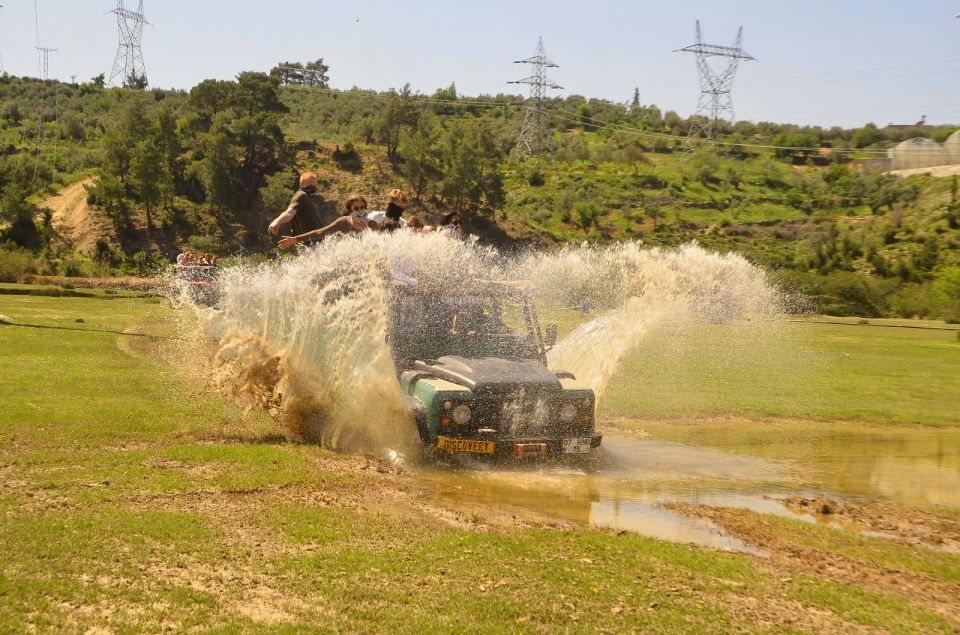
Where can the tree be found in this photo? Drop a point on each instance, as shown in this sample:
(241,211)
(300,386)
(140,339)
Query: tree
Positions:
(400,113)
(704,165)
(470,164)
(219,168)
(587,214)
(137,82)
(946,288)
(867,136)
(171,147)
(312,74)
(109,193)
(652,209)
(444,96)
(257,93)
(147,175)
(207,99)
(18,216)
(99,80)
(420,155)
(127,128)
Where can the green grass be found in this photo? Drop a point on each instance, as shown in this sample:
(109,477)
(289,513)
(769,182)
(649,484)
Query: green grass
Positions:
(802,370)
(133,500)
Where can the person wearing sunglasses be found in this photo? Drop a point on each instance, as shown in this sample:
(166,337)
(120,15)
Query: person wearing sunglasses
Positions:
(355,220)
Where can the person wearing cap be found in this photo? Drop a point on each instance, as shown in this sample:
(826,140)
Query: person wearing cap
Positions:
(397,203)
(355,220)
(303,213)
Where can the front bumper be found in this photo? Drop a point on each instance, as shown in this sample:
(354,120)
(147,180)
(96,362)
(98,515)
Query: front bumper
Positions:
(521,447)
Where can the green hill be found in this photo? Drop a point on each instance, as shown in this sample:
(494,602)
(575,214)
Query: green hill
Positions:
(210,167)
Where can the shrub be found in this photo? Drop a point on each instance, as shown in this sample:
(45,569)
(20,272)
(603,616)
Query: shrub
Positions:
(14,263)
(74,267)
(144,264)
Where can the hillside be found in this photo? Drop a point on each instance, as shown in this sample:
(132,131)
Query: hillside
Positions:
(209,168)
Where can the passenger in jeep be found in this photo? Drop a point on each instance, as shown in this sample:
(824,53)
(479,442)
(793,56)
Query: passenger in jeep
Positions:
(354,221)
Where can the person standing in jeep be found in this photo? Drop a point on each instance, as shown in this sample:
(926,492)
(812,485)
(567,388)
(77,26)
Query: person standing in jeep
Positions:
(303,213)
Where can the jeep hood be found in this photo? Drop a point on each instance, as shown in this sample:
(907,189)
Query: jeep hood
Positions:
(493,375)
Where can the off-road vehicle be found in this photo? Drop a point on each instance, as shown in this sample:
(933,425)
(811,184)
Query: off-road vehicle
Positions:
(472,366)
(198,283)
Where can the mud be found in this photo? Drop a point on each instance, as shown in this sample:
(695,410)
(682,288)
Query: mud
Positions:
(905,524)
(624,487)
(798,557)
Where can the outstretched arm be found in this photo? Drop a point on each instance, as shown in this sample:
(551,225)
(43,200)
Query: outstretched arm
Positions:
(342,224)
(282,219)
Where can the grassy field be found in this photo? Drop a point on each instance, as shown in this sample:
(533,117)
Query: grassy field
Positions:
(814,370)
(133,500)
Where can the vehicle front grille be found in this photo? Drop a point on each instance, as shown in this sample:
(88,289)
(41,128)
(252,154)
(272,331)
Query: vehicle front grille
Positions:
(519,418)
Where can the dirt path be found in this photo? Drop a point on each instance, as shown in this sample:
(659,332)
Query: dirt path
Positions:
(937,170)
(77,224)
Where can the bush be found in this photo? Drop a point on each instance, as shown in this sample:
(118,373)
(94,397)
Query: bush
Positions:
(144,264)
(14,263)
(914,300)
(842,293)
(75,267)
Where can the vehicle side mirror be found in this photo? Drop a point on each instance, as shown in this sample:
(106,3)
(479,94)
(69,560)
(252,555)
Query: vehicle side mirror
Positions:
(550,338)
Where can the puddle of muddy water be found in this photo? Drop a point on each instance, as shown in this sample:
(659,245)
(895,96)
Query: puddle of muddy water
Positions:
(625,488)
(911,466)
(628,483)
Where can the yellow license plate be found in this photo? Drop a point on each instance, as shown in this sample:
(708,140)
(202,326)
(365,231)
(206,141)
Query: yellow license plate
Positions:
(465,445)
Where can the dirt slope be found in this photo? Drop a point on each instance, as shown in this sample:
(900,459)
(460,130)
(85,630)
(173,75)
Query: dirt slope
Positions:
(75,223)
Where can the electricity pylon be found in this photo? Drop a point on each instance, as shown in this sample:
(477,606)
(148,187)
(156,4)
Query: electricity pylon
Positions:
(46,59)
(715,100)
(533,133)
(128,65)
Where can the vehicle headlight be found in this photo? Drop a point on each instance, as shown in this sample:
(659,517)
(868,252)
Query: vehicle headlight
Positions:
(568,412)
(461,414)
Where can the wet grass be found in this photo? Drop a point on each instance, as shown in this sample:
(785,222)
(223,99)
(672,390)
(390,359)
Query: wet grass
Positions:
(132,500)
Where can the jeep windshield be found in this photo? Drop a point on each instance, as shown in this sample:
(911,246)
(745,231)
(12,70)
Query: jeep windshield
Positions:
(427,325)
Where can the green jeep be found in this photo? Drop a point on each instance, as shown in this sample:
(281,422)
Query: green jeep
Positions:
(473,369)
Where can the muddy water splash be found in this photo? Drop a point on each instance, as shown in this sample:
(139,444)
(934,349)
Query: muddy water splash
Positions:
(304,338)
(641,290)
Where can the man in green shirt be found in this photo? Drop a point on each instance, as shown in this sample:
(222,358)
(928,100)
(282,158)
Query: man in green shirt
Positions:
(303,213)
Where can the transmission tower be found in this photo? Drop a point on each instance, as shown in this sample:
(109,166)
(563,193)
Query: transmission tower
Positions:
(46,59)
(533,133)
(128,65)
(715,101)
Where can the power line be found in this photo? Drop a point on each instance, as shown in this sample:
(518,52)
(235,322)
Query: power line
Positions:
(853,72)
